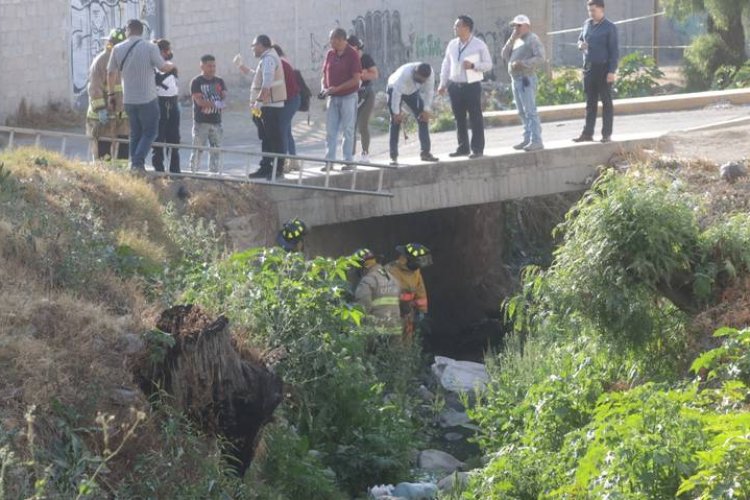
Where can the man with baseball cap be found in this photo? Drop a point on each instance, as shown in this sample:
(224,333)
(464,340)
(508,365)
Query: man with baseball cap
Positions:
(524,53)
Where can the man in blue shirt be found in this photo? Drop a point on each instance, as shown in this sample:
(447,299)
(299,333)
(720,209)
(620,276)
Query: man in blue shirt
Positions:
(598,43)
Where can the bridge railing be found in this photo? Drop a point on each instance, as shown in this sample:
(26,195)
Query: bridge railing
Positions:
(235,164)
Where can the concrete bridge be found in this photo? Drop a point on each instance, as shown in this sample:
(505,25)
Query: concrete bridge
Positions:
(560,168)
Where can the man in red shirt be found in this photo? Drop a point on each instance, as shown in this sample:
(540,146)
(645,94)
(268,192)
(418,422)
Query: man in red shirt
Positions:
(342,70)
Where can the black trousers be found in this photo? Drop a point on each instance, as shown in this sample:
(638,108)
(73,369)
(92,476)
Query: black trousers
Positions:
(596,87)
(271,139)
(467,98)
(169,132)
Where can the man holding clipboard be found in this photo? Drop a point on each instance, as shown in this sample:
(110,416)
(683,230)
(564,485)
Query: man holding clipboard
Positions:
(466,60)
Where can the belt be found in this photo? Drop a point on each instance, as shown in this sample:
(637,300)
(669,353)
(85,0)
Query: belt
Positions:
(168,97)
(462,84)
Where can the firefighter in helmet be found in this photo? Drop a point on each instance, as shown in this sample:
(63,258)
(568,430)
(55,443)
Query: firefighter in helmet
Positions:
(102,124)
(292,234)
(412,257)
(378,293)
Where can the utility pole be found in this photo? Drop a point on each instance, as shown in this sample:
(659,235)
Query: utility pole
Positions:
(655,33)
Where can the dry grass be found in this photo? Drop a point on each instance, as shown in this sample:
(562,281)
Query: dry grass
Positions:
(50,116)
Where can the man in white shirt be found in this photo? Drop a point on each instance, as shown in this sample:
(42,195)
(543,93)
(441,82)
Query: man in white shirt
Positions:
(466,58)
(412,84)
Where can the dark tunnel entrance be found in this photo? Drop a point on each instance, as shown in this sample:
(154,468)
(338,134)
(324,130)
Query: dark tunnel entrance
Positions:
(477,253)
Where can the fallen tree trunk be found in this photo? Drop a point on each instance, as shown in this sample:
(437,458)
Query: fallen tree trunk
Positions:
(208,379)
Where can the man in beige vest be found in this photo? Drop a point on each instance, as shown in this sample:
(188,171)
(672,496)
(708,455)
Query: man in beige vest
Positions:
(268,94)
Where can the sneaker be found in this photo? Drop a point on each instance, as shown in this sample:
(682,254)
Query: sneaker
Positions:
(458,153)
(534,146)
(394,160)
(521,145)
(427,156)
(261,173)
(326,168)
(475,155)
(364,158)
(606,138)
(584,138)
(347,168)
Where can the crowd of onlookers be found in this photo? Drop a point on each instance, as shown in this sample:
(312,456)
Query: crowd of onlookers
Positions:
(133,94)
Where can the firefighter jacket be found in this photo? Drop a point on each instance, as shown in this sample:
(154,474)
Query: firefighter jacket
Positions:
(98,100)
(378,293)
(413,291)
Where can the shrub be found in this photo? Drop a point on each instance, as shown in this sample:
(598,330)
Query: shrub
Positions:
(636,76)
(337,398)
(565,87)
(706,54)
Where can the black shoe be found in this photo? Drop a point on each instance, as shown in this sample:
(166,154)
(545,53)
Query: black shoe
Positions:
(584,138)
(458,153)
(606,138)
(260,174)
(475,155)
(394,160)
(427,156)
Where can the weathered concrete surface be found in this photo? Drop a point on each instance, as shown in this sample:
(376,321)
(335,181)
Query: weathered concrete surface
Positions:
(451,184)
(638,105)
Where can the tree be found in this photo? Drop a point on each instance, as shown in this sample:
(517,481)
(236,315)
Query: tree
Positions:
(724,42)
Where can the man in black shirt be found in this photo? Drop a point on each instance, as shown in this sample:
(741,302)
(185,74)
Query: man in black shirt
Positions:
(209,93)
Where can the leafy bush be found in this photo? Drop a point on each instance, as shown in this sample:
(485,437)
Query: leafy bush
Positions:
(626,237)
(705,55)
(565,87)
(636,76)
(337,400)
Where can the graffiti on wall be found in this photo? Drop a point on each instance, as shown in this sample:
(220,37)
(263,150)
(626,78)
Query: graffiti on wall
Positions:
(381,31)
(90,24)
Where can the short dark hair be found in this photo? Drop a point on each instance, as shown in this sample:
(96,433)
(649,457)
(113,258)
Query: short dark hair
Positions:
(424,70)
(466,20)
(163,44)
(263,40)
(278,49)
(339,33)
(135,26)
(355,42)
(207,58)
(598,3)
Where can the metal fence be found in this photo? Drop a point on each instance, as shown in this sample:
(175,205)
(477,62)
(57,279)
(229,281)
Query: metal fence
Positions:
(235,164)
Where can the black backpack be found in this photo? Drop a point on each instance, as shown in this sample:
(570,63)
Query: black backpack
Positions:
(304,92)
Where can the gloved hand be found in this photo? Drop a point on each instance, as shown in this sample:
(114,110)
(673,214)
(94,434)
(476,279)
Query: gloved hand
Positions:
(103,116)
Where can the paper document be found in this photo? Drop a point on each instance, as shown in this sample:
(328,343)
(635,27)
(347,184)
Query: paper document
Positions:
(473,75)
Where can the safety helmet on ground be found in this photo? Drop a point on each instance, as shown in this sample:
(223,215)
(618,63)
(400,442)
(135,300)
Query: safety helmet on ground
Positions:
(291,234)
(363,255)
(117,35)
(416,254)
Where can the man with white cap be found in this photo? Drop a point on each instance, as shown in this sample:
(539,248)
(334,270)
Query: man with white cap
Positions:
(524,53)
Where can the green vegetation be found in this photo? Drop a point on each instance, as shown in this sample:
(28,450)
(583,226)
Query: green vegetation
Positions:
(722,45)
(590,398)
(87,255)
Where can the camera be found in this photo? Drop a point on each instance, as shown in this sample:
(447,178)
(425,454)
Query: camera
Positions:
(323,94)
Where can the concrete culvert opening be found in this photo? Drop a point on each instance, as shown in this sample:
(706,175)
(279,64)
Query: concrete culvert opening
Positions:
(477,253)
(209,380)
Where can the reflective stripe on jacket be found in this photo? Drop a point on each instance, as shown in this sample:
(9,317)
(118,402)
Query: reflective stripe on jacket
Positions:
(378,292)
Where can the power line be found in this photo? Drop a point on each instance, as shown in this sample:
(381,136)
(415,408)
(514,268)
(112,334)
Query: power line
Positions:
(623,21)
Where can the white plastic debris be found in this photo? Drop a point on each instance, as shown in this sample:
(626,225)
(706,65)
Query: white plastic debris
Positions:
(460,376)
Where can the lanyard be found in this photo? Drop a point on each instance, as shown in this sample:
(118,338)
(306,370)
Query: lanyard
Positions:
(461,50)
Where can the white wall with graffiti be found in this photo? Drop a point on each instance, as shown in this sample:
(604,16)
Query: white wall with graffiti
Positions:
(90,24)
(71,32)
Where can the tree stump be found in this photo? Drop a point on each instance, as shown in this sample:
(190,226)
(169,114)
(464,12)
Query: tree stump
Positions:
(210,382)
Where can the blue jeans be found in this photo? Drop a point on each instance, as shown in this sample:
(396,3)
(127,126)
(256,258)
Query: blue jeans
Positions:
(415,103)
(144,127)
(342,115)
(287,139)
(525,98)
